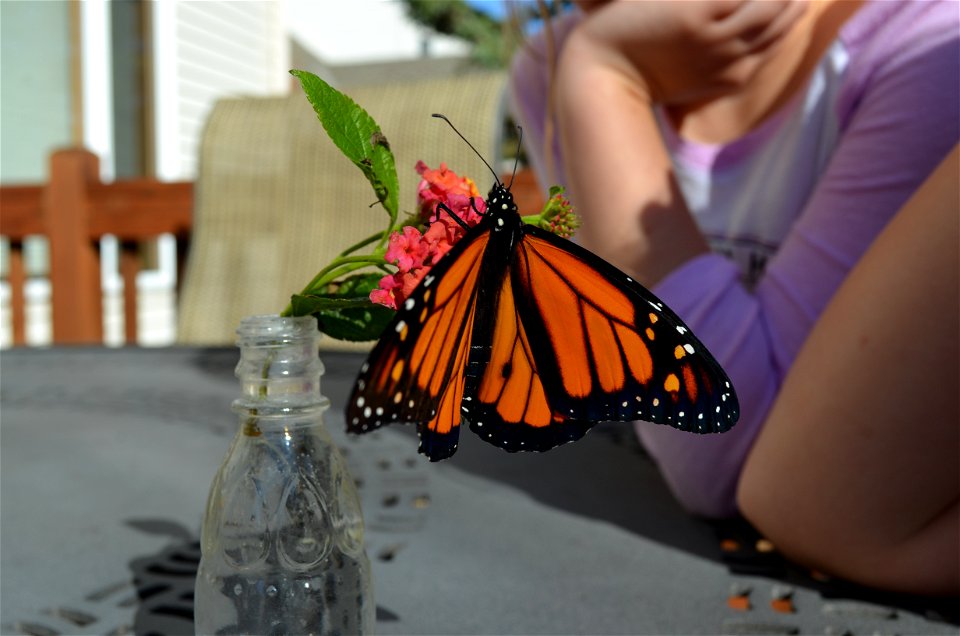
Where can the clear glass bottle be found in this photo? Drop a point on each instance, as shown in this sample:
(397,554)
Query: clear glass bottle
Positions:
(282,538)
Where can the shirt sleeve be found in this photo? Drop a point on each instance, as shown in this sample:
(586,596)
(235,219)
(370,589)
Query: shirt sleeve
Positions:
(899,112)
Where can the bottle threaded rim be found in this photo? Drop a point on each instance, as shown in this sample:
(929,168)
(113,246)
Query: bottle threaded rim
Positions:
(275,329)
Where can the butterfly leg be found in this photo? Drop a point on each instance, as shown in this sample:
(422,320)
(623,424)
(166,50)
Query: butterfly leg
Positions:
(473,204)
(442,206)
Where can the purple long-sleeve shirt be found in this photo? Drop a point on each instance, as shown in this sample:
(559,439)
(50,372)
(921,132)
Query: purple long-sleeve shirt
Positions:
(789,209)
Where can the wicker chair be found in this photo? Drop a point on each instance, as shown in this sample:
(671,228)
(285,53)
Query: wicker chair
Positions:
(276,200)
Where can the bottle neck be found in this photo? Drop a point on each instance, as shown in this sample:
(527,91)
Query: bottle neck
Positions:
(279,369)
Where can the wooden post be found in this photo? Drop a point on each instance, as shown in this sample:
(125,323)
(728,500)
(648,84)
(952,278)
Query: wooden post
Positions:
(17,279)
(77,303)
(129,267)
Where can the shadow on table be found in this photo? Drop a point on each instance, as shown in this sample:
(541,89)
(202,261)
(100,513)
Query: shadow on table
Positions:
(607,476)
(164,580)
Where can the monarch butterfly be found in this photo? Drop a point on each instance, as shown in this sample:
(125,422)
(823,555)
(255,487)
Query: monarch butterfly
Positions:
(532,339)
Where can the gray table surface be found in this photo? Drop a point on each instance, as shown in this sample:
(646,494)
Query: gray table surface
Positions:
(106,457)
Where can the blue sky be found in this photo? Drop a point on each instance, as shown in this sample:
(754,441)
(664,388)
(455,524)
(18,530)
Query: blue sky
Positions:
(497,9)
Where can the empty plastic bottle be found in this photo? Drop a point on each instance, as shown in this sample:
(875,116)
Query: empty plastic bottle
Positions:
(282,539)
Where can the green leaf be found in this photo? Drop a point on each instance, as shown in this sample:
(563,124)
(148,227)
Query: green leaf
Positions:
(355,325)
(357,285)
(306,304)
(346,313)
(357,136)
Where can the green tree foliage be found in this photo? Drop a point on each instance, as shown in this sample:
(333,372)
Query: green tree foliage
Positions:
(454,17)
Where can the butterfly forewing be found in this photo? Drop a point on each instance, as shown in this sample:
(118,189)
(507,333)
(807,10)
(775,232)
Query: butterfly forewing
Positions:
(415,373)
(607,348)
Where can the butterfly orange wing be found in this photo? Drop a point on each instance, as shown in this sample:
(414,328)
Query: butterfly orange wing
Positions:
(508,405)
(575,342)
(415,373)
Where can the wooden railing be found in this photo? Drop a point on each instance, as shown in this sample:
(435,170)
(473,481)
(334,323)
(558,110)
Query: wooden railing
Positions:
(73,211)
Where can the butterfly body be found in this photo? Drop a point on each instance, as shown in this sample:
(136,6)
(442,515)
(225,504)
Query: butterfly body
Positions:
(531,340)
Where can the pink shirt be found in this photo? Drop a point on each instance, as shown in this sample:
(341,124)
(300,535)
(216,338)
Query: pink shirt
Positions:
(795,203)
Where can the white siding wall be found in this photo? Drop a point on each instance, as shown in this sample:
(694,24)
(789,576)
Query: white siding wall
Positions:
(205,50)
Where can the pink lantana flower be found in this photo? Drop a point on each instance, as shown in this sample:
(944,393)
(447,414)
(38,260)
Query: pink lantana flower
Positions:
(443,186)
(407,249)
(384,294)
(394,288)
(415,252)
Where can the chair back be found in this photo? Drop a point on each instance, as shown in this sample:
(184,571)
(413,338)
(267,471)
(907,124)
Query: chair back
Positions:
(276,201)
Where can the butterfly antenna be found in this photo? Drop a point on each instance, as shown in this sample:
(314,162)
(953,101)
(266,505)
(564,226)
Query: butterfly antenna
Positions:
(516,159)
(492,171)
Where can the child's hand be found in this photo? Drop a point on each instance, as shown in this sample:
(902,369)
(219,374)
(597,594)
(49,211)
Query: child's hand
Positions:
(682,53)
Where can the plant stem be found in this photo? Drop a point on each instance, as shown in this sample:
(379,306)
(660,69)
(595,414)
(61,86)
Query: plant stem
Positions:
(250,427)
(367,241)
(339,267)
